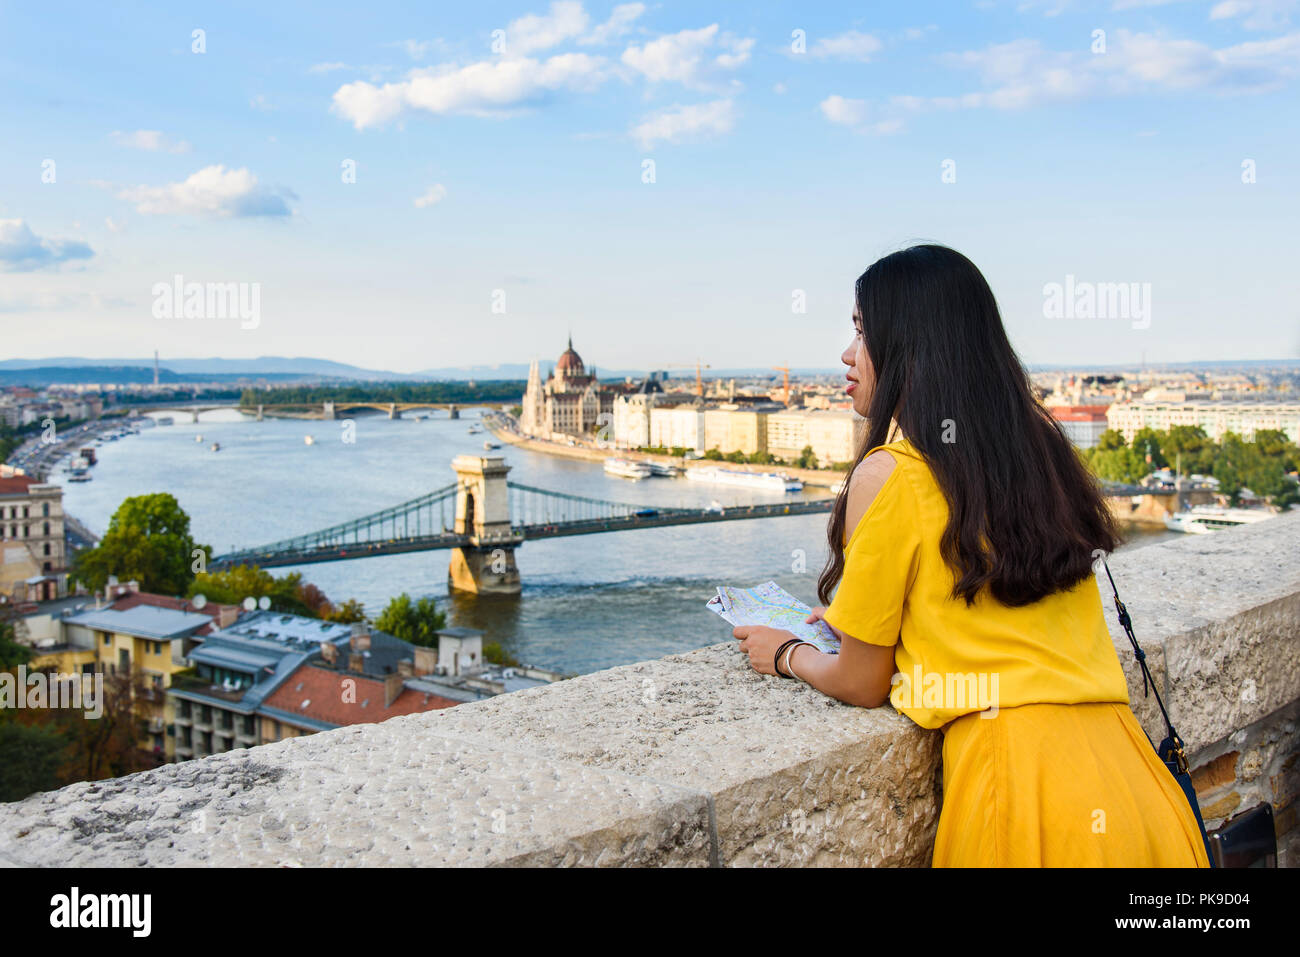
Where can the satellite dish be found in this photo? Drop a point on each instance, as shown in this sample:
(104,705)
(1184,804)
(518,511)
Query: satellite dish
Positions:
(250,603)
(264,603)
(198,601)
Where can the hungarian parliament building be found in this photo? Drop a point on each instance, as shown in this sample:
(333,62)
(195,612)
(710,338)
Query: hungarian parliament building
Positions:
(570,401)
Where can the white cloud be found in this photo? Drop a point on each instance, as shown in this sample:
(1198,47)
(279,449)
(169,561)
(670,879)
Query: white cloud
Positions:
(114,226)
(326,67)
(533,32)
(1255,14)
(419,49)
(21,250)
(260,102)
(152,140)
(1022,74)
(212,191)
(687,57)
(679,123)
(618,24)
(847,46)
(485,88)
(433,195)
(844,112)
(854,113)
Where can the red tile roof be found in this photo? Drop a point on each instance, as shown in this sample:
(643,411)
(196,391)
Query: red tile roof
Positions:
(322,692)
(17,484)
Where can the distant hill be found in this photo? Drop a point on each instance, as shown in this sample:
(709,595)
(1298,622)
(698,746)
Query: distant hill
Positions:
(263,365)
(41,376)
(72,370)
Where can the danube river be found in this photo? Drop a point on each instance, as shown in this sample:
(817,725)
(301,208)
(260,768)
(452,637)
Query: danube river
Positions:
(588,602)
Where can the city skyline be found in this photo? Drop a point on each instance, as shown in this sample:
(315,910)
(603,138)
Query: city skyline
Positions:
(500,195)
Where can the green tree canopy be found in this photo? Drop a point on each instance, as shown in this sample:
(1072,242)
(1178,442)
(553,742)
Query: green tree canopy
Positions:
(1110,439)
(1146,443)
(148,540)
(415,621)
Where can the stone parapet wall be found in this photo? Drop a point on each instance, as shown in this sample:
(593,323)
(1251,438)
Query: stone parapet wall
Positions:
(694,760)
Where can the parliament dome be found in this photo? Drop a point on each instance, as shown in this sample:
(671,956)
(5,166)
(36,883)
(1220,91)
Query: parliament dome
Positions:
(570,363)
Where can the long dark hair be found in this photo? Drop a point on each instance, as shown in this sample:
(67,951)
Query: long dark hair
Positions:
(1024,513)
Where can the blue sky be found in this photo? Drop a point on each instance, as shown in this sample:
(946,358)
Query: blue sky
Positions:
(501,152)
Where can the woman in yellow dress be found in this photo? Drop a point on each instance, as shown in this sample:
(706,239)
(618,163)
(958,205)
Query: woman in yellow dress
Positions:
(963,552)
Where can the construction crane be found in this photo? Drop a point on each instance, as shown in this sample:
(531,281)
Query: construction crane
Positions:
(786,386)
(699,378)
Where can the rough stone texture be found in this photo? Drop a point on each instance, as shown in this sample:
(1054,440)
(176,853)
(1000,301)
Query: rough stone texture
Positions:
(372,794)
(796,777)
(1219,619)
(691,759)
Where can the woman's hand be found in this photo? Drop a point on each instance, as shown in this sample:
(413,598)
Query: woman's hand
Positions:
(819,614)
(760,643)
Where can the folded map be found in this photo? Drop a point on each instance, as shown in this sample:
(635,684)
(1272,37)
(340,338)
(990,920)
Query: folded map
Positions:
(771,605)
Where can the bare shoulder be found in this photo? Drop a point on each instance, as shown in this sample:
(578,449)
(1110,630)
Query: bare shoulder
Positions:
(865,483)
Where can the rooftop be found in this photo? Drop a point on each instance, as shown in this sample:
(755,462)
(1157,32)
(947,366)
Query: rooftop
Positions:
(142,621)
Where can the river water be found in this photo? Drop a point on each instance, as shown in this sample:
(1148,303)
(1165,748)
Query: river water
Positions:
(588,602)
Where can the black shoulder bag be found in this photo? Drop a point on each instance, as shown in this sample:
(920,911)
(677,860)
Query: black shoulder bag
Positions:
(1171,748)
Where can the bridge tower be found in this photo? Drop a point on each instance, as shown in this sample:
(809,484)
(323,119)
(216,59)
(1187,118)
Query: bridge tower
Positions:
(327,410)
(259,412)
(392,410)
(453,412)
(487,565)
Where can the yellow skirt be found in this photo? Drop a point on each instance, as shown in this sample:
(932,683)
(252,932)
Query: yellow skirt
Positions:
(1060,785)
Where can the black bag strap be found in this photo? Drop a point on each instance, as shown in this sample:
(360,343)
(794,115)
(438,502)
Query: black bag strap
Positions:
(1147,680)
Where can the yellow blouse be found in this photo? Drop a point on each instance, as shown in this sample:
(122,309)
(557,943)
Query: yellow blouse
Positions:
(953,659)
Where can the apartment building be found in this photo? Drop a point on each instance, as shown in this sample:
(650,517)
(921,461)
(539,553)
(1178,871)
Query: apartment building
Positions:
(1161,409)
(34,565)
(831,434)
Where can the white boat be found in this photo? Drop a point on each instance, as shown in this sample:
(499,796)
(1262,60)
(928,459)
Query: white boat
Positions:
(216,446)
(1203,519)
(475,430)
(627,468)
(198,438)
(308,440)
(81,476)
(491,445)
(767,481)
(665,471)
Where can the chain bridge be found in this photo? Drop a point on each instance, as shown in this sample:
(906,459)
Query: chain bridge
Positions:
(482,518)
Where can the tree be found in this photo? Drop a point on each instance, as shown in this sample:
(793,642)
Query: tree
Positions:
(807,458)
(493,653)
(417,622)
(1118,465)
(12,654)
(148,540)
(346,613)
(1188,447)
(30,756)
(1110,439)
(1146,443)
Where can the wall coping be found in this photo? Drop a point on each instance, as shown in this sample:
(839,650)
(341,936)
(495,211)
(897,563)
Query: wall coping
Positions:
(692,759)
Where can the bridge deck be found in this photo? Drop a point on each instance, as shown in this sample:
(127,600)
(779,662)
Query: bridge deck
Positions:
(344,551)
